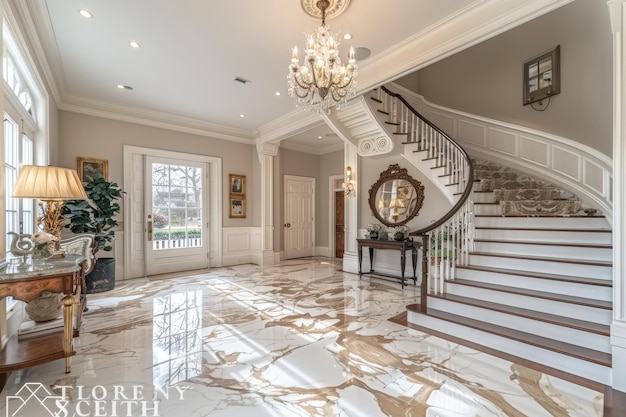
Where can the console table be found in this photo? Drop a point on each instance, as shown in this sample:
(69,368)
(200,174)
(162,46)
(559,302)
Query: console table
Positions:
(402,246)
(25,282)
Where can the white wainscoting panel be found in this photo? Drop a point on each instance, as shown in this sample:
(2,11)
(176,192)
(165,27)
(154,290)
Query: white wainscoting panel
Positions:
(593,176)
(534,151)
(502,141)
(472,132)
(566,163)
(240,245)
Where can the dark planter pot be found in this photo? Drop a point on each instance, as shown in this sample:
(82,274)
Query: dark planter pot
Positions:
(102,278)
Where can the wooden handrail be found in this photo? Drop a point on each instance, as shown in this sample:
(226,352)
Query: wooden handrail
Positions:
(469,178)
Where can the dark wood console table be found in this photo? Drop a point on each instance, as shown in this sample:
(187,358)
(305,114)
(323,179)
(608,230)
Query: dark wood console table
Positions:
(25,282)
(402,246)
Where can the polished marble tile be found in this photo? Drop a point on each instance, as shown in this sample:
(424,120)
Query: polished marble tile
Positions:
(297,339)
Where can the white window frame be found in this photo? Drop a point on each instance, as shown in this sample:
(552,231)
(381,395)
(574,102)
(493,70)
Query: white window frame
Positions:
(34,122)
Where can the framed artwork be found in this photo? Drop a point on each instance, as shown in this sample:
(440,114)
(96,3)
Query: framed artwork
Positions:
(237,184)
(237,207)
(88,168)
(542,76)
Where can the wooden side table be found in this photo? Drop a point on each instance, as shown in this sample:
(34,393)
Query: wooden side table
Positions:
(25,282)
(402,246)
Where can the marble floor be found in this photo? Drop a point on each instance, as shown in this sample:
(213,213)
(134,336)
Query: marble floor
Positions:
(301,338)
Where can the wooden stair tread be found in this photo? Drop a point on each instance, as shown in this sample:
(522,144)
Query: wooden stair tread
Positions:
(546,258)
(569,216)
(543,229)
(568,244)
(583,325)
(607,305)
(541,275)
(586,354)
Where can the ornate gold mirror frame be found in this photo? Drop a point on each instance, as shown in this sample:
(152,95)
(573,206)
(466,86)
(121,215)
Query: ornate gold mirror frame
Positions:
(396,197)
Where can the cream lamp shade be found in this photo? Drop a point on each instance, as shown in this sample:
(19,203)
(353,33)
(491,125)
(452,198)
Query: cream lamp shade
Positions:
(51,185)
(48,183)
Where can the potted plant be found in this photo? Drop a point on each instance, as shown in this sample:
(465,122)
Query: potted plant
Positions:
(97,215)
(400,233)
(373,229)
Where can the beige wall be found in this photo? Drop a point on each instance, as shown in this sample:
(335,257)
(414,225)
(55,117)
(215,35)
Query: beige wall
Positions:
(88,136)
(435,203)
(487,79)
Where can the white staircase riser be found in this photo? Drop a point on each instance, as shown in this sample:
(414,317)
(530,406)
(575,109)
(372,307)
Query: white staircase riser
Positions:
(490,209)
(594,292)
(482,197)
(540,328)
(428,168)
(556,360)
(542,222)
(537,235)
(552,251)
(547,266)
(592,314)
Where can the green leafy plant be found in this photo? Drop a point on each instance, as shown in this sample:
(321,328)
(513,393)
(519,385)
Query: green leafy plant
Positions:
(96,214)
(445,243)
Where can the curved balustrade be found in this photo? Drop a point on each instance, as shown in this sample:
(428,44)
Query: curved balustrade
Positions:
(448,241)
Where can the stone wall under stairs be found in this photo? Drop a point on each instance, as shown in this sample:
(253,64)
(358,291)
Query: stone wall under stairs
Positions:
(519,194)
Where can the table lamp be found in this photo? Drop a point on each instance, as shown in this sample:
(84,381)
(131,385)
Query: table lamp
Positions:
(51,185)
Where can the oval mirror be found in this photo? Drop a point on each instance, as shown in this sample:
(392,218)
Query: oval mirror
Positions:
(396,197)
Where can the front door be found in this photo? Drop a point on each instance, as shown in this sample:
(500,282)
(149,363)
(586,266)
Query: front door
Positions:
(299,223)
(176,215)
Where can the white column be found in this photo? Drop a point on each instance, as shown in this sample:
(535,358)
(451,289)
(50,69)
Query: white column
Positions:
(266,152)
(618,326)
(351,215)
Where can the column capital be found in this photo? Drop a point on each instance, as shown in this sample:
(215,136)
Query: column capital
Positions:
(266,149)
(615,13)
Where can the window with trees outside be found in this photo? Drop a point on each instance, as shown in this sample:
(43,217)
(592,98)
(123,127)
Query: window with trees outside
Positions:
(21,127)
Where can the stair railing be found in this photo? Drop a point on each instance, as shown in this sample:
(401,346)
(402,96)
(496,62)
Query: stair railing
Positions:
(448,241)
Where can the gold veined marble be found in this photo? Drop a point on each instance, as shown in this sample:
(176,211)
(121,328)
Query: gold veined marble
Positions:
(297,339)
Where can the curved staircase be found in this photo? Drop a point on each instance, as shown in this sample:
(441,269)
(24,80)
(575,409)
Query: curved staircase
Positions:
(526,270)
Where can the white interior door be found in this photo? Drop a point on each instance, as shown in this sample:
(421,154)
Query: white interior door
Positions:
(176,215)
(299,225)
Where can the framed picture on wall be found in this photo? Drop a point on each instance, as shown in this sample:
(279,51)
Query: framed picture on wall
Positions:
(542,76)
(89,168)
(237,184)
(237,207)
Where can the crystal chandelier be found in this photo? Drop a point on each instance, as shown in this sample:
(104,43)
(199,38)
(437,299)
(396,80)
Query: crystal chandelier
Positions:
(322,82)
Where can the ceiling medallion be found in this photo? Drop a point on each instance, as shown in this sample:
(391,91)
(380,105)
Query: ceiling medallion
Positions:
(335,8)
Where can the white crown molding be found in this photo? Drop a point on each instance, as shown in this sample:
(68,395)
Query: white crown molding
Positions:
(315,150)
(476,23)
(157,119)
(284,127)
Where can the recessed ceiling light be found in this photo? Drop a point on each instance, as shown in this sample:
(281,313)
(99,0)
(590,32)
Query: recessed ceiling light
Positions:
(319,137)
(242,115)
(347,36)
(277,93)
(134,44)
(84,13)
(124,87)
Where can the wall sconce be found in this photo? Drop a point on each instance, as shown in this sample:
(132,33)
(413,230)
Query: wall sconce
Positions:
(349,184)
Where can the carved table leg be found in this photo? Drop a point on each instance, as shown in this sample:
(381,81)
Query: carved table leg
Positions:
(68,331)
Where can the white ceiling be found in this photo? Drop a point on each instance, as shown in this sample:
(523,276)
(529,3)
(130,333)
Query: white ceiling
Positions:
(192,51)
